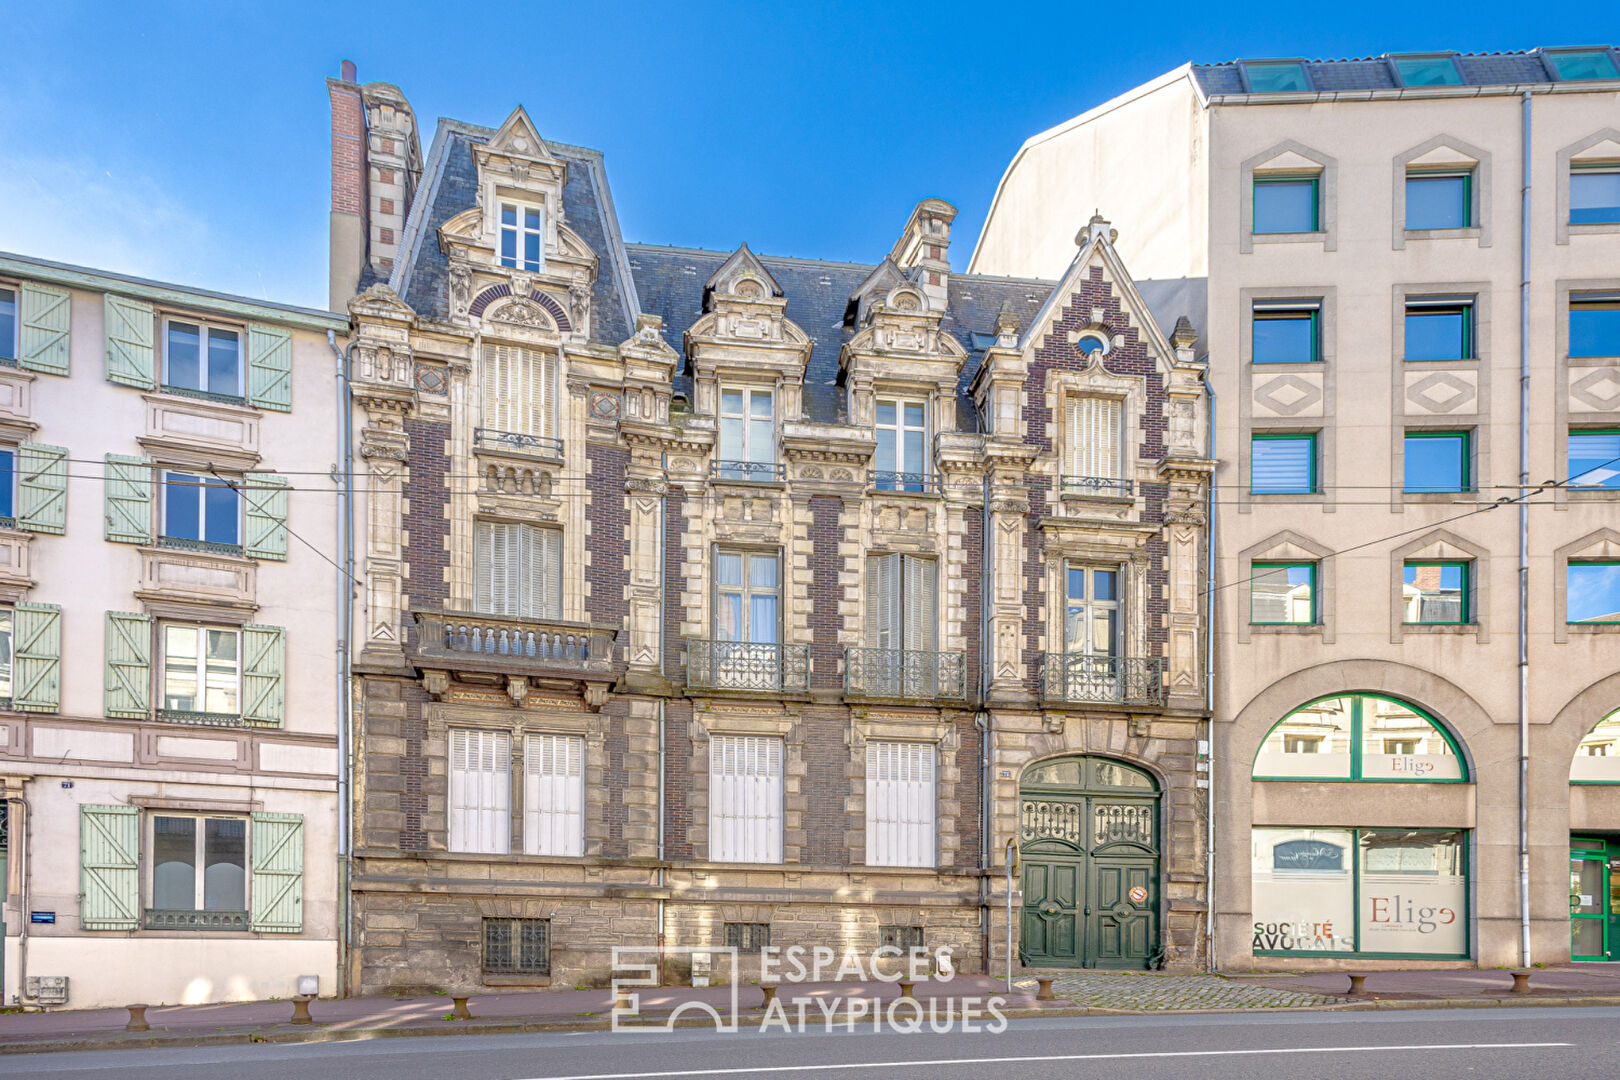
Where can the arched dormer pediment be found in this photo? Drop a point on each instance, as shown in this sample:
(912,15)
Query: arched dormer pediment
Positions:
(742,276)
(884,279)
(493,304)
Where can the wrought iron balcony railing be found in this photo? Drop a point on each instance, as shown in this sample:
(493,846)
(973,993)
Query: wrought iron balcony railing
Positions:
(543,445)
(884,480)
(905,673)
(461,639)
(747,470)
(1115,680)
(747,665)
(1106,486)
(180,919)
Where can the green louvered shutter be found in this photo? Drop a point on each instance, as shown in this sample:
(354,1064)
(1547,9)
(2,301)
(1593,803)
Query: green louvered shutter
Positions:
(36,680)
(277,897)
(129,499)
(265,498)
(270,367)
(128,686)
(109,867)
(46,319)
(264,661)
(129,328)
(42,488)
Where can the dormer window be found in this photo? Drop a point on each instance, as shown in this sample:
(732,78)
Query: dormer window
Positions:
(522,240)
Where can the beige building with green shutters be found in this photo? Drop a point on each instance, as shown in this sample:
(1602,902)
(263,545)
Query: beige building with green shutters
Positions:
(169,676)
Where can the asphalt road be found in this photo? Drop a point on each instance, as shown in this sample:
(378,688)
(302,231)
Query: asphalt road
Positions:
(1567,1043)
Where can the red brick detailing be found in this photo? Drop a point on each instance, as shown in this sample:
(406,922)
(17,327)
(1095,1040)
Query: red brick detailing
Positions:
(385,176)
(674,659)
(616,778)
(825,591)
(348,149)
(386,236)
(609,543)
(427,529)
(1057,351)
(414,772)
(385,206)
(826,751)
(973,594)
(677,779)
(969,794)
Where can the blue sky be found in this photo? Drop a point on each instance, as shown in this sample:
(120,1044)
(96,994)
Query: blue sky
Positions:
(188,142)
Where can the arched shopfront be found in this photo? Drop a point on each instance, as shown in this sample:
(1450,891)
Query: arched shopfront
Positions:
(1089,850)
(1351,889)
(1594,855)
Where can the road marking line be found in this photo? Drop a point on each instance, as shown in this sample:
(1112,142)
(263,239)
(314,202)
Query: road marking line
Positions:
(762,1069)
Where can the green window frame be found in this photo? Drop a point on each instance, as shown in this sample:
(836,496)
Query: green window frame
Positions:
(1263,570)
(1436,308)
(1607,177)
(1281,180)
(1422,175)
(1313,481)
(1290,311)
(1465,588)
(1593,321)
(1605,472)
(1465,463)
(1605,619)
(1358,710)
(1357,857)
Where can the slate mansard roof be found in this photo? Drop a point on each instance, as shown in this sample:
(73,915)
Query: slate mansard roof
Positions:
(668,281)
(1378,73)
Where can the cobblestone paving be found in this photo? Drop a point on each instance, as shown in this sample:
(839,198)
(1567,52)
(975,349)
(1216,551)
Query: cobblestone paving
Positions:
(1145,990)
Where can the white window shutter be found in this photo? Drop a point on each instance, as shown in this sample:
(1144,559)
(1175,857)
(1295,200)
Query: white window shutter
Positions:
(480,792)
(547,389)
(745,799)
(551,574)
(1094,434)
(1072,465)
(920,612)
(554,795)
(882,614)
(900,805)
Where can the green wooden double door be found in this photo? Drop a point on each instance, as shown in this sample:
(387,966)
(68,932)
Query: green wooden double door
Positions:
(1088,848)
(1594,899)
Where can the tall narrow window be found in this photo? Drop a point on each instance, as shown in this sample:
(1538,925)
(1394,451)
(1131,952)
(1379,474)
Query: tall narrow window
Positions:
(1282,594)
(1091,616)
(747,434)
(1594,458)
(6,617)
(479,817)
(1282,464)
(520,395)
(202,359)
(745,799)
(202,670)
(1440,328)
(902,441)
(523,241)
(1594,199)
(748,596)
(901,597)
(1094,451)
(1287,332)
(900,804)
(1286,204)
(554,795)
(1439,199)
(201,511)
(8,324)
(8,487)
(517,570)
(1594,324)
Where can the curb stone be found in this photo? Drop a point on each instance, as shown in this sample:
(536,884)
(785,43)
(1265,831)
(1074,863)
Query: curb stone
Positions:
(282,1034)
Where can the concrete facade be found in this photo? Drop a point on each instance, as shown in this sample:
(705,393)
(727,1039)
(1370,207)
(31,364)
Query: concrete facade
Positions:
(626,465)
(103,754)
(1360,397)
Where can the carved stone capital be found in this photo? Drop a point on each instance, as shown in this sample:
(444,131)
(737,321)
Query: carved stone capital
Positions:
(436,683)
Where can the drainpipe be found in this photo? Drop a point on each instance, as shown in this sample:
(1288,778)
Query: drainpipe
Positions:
(985,725)
(663,590)
(24,873)
(1209,691)
(345,624)
(1524,540)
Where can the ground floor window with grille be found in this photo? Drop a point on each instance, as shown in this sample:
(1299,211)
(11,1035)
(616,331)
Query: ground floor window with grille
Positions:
(517,946)
(900,804)
(480,819)
(745,799)
(199,865)
(904,938)
(747,937)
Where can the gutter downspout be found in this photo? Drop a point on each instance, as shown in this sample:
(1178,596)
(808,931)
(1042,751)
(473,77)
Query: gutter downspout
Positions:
(663,591)
(345,625)
(1209,692)
(24,873)
(982,721)
(1524,540)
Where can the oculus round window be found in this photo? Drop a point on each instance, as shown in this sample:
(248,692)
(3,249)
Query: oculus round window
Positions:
(1358,737)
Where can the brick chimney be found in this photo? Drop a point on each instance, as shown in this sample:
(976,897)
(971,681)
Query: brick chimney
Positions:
(926,243)
(347,244)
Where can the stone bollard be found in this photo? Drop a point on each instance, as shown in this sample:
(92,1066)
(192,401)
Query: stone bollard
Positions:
(1521,982)
(1043,991)
(1358,985)
(460,1011)
(905,990)
(301,1010)
(621,1001)
(137,1018)
(770,994)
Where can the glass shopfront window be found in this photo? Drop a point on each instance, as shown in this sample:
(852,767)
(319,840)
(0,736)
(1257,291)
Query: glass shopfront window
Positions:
(1372,892)
(1358,737)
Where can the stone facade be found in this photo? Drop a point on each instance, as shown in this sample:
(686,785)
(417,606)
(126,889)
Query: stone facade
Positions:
(635,462)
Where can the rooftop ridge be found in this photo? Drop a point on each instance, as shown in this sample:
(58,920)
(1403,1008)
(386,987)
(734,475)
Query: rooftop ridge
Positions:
(797,260)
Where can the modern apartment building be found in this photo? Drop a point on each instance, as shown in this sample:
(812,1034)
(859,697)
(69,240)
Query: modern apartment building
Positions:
(715,599)
(1407,269)
(169,677)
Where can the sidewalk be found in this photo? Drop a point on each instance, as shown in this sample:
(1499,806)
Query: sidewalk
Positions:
(1077,993)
